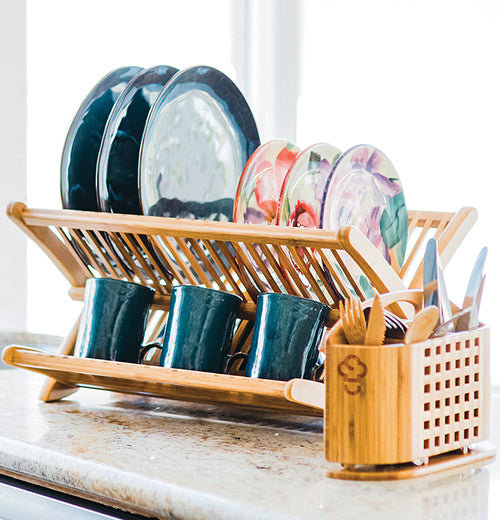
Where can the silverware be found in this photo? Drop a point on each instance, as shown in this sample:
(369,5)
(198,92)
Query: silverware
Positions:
(434,285)
(353,321)
(395,327)
(422,325)
(480,294)
(473,294)
(442,328)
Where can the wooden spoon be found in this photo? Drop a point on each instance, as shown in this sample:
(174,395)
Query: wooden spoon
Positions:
(422,325)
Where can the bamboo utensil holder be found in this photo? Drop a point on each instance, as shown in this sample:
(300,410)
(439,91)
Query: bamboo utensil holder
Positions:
(406,403)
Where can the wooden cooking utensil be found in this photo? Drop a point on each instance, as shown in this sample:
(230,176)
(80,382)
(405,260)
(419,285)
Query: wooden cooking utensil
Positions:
(422,325)
(375,331)
(395,327)
(353,321)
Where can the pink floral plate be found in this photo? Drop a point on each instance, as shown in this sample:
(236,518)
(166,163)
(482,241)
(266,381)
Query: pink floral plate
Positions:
(302,189)
(259,188)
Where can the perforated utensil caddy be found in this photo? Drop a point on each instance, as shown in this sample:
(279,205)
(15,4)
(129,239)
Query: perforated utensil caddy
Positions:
(406,403)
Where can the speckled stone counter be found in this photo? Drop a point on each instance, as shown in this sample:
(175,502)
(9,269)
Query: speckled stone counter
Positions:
(185,461)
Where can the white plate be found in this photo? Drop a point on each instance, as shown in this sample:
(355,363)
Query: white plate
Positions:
(364,190)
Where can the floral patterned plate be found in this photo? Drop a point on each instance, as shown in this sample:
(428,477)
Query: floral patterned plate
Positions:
(198,137)
(259,189)
(302,190)
(364,190)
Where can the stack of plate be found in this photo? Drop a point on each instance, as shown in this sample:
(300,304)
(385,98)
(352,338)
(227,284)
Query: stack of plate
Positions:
(159,141)
(324,188)
(172,143)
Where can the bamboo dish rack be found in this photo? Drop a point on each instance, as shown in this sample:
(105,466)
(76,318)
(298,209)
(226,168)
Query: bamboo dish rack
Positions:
(246,260)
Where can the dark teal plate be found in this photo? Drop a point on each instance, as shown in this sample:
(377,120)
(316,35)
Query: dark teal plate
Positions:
(198,137)
(81,149)
(118,161)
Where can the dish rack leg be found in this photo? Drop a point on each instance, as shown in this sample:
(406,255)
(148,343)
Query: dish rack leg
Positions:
(52,390)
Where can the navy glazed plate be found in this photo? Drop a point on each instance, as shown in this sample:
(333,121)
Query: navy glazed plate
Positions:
(118,161)
(81,149)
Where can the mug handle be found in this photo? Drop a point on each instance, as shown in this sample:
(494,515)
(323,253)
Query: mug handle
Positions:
(319,373)
(231,360)
(155,360)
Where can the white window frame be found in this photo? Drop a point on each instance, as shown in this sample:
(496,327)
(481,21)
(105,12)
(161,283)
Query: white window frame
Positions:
(13,96)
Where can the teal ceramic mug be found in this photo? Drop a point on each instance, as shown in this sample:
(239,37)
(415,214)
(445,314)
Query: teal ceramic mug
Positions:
(199,329)
(286,337)
(113,320)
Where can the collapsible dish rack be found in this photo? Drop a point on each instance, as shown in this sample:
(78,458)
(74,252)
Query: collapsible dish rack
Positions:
(244,259)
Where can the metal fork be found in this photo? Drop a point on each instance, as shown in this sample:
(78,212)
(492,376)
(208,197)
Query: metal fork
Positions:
(395,327)
(353,321)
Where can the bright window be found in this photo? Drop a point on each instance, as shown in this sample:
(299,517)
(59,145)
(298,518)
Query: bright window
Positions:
(419,80)
(71,46)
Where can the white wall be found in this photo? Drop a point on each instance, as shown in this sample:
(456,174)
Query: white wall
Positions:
(12,162)
(266,52)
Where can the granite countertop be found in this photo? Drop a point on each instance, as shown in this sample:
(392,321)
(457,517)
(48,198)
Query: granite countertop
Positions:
(168,459)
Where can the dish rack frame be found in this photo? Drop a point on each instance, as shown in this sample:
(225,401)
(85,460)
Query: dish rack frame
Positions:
(244,259)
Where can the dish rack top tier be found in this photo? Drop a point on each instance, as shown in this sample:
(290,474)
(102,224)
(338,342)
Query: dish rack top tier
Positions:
(240,258)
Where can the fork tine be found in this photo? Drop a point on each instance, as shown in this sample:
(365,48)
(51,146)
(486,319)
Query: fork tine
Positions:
(354,321)
(348,306)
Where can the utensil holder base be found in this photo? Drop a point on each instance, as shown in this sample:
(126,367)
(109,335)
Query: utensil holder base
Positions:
(444,464)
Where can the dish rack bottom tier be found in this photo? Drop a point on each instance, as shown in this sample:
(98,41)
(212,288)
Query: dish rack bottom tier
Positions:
(183,385)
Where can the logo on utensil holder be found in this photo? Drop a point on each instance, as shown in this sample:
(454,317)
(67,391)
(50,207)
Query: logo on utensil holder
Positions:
(352,370)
